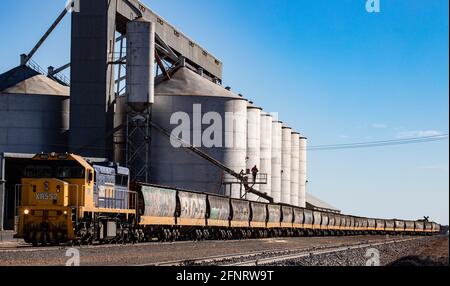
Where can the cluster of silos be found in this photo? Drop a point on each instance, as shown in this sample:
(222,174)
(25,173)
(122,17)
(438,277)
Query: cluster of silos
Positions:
(220,123)
(282,157)
(191,108)
(197,110)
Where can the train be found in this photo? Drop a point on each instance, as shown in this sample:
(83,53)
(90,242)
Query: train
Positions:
(65,198)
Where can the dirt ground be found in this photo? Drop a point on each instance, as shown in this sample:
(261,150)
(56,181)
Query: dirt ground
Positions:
(435,253)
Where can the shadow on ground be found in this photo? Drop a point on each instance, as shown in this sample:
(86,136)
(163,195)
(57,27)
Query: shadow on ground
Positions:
(421,261)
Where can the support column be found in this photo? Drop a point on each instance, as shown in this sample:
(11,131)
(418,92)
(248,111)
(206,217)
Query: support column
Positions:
(2,191)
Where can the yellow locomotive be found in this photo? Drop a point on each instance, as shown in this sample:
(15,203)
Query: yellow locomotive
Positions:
(64,198)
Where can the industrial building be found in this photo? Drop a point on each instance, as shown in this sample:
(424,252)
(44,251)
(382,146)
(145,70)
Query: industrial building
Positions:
(107,109)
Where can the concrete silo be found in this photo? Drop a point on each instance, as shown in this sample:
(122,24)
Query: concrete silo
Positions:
(265,165)
(207,116)
(276,160)
(139,96)
(286,145)
(253,142)
(295,172)
(34,112)
(302,172)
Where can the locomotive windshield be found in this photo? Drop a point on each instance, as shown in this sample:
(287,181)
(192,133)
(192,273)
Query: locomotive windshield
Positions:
(61,169)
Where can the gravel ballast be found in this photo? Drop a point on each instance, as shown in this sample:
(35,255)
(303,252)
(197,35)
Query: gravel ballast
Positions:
(150,253)
(395,254)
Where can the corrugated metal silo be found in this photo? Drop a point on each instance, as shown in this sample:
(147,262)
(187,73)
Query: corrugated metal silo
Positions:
(286,146)
(34,112)
(265,165)
(253,142)
(191,106)
(140,62)
(295,172)
(276,160)
(302,172)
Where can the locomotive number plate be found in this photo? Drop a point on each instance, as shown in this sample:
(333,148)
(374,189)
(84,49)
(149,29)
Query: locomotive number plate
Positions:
(46,196)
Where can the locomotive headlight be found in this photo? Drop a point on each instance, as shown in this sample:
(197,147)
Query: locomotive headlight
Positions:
(65,212)
(58,189)
(26,212)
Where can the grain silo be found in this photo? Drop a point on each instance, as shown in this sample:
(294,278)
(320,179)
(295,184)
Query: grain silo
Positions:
(295,162)
(253,142)
(276,160)
(34,112)
(265,165)
(302,172)
(140,63)
(207,116)
(286,144)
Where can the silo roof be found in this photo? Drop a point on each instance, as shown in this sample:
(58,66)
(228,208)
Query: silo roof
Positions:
(15,76)
(185,82)
(24,80)
(251,105)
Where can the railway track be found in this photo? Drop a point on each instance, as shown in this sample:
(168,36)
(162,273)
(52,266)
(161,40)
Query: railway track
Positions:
(256,258)
(280,258)
(222,253)
(29,248)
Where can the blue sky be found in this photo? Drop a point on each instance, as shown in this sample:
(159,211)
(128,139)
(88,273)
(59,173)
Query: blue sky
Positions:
(333,71)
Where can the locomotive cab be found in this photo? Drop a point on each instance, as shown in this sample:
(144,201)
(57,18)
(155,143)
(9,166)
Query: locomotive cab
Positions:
(52,189)
(64,198)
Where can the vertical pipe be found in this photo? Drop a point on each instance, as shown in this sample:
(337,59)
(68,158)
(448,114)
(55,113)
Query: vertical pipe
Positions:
(266,152)
(302,172)
(295,173)
(276,160)
(286,165)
